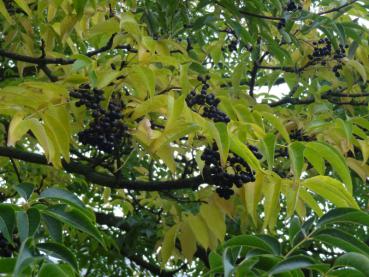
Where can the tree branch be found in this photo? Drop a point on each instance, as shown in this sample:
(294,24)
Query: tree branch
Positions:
(105,179)
(337,8)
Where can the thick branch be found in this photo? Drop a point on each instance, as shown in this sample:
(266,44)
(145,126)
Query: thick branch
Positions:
(104,179)
(337,8)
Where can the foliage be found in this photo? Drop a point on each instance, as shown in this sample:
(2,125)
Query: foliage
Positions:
(145,137)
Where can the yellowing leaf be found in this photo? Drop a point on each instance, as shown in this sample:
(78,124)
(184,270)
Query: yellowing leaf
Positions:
(244,152)
(275,121)
(361,169)
(253,192)
(168,244)
(358,67)
(364,145)
(108,27)
(296,154)
(199,229)
(24,6)
(271,191)
(331,189)
(309,200)
(334,158)
(5,13)
(187,240)
(105,77)
(214,218)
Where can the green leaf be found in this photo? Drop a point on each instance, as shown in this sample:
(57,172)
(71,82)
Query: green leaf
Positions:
(292,263)
(296,154)
(74,218)
(7,265)
(22,224)
(215,260)
(24,189)
(59,251)
(344,215)
(25,257)
(7,221)
(334,158)
(254,242)
(354,260)
(34,219)
(54,227)
(62,195)
(54,270)
(268,147)
(79,6)
(345,241)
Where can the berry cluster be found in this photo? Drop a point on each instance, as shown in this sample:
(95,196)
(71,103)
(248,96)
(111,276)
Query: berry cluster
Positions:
(292,7)
(207,102)
(237,171)
(106,131)
(299,135)
(6,249)
(281,23)
(323,52)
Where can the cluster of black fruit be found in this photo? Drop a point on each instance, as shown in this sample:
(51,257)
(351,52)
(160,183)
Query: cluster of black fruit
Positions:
(207,101)
(299,135)
(292,7)
(6,249)
(236,172)
(323,51)
(281,23)
(189,165)
(106,131)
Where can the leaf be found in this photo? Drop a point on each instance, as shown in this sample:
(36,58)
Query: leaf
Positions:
(354,260)
(34,219)
(24,6)
(7,221)
(25,257)
(79,6)
(344,215)
(296,155)
(188,241)
(358,67)
(22,224)
(108,27)
(74,218)
(315,159)
(7,265)
(244,152)
(255,242)
(331,189)
(253,192)
(104,78)
(338,238)
(219,132)
(334,158)
(54,227)
(62,195)
(268,145)
(214,219)
(59,251)
(168,244)
(199,229)
(24,189)
(54,270)
(4,12)
(292,263)
(271,191)
(275,121)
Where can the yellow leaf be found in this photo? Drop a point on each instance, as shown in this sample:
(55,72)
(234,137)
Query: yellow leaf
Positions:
(24,6)
(364,145)
(275,121)
(358,67)
(361,168)
(271,191)
(214,218)
(17,128)
(5,13)
(199,229)
(187,240)
(168,244)
(108,27)
(253,196)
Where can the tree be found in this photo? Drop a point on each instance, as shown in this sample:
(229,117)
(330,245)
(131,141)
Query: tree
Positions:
(145,138)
